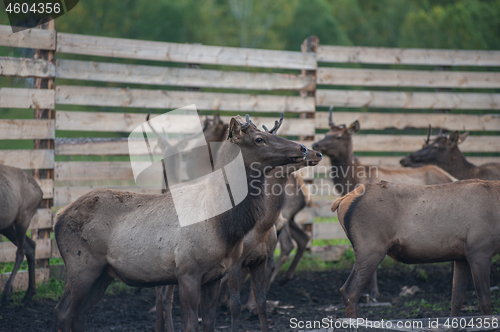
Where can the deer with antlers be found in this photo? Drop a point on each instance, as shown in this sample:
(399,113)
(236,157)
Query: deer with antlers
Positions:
(349,173)
(137,238)
(443,151)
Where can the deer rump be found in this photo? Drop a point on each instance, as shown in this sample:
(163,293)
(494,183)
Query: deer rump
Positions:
(459,221)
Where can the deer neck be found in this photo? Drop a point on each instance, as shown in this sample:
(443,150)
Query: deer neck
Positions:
(275,195)
(343,171)
(458,166)
(234,224)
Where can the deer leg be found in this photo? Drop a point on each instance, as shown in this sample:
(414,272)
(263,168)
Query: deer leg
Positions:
(302,239)
(209,297)
(94,296)
(189,294)
(224,296)
(160,308)
(374,293)
(480,268)
(461,274)
(80,281)
(365,265)
(271,266)
(29,250)
(234,282)
(167,302)
(16,236)
(286,247)
(258,274)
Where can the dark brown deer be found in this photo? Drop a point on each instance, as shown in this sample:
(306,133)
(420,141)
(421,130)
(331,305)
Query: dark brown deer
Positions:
(415,224)
(20,197)
(257,245)
(137,238)
(297,200)
(261,241)
(443,151)
(348,172)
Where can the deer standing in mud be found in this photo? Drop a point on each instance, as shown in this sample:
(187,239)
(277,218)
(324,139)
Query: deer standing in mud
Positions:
(137,238)
(416,224)
(20,197)
(444,152)
(299,198)
(347,172)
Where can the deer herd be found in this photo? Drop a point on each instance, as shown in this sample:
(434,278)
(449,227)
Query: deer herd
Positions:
(419,214)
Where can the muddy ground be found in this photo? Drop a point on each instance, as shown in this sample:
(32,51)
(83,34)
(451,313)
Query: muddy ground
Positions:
(309,296)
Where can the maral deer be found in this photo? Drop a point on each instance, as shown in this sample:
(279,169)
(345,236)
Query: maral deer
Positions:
(415,224)
(443,151)
(299,198)
(257,245)
(137,238)
(20,196)
(348,172)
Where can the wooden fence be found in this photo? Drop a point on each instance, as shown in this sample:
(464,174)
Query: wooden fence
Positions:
(104,90)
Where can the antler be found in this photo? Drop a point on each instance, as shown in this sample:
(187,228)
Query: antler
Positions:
(277,125)
(163,138)
(440,133)
(428,135)
(246,125)
(330,122)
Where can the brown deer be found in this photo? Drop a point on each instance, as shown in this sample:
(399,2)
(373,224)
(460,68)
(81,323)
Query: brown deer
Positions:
(415,224)
(348,172)
(260,243)
(298,199)
(137,238)
(444,152)
(19,199)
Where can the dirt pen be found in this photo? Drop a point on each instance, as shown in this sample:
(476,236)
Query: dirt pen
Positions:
(89,92)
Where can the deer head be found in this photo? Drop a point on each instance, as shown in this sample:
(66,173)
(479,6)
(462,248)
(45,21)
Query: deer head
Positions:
(263,149)
(337,143)
(436,152)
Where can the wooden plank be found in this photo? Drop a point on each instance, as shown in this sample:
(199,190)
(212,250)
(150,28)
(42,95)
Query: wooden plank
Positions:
(116,97)
(30,38)
(330,253)
(488,122)
(410,143)
(410,100)
(28,159)
(27,129)
(78,171)
(8,250)
(408,78)
(126,122)
(188,77)
(55,249)
(99,147)
(47,186)
(26,98)
(407,56)
(22,278)
(23,67)
(65,195)
(42,219)
(184,53)
(327,231)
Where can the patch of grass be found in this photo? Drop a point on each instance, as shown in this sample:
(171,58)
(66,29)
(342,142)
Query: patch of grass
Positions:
(118,287)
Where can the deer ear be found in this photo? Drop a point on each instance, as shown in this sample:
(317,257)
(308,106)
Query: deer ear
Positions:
(354,127)
(454,137)
(234,128)
(463,137)
(217,118)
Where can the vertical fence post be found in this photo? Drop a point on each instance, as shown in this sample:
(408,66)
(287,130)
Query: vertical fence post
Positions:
(45,144)
(310,44)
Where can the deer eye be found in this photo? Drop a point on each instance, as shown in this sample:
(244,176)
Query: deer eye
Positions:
(259,140)
(338,137)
